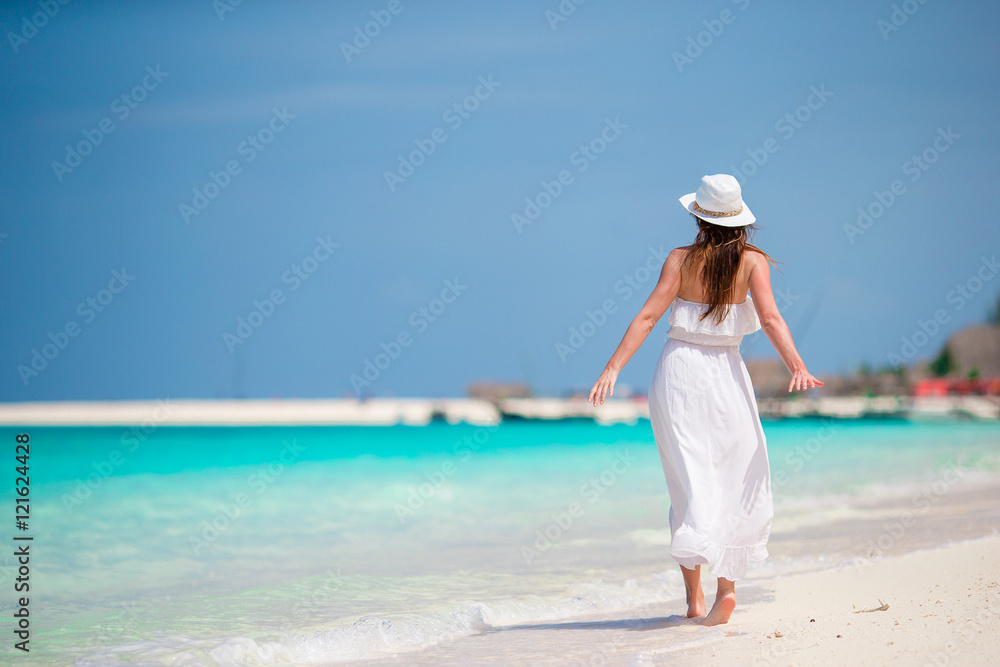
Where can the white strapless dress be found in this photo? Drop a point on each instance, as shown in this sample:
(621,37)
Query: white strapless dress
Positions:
(711,443)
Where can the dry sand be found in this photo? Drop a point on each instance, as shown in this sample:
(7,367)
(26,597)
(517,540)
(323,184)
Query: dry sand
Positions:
(943,609)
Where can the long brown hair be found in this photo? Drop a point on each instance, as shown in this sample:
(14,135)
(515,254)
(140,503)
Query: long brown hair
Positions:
(722,249)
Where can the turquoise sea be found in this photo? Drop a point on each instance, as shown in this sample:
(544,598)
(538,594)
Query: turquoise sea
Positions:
(333,545)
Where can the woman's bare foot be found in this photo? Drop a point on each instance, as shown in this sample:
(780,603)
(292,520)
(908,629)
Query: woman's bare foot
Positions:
(725,603)
(695,596)
(721,610)
(696,604)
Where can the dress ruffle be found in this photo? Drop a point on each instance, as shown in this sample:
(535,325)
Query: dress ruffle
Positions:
(691,549)
(686,323)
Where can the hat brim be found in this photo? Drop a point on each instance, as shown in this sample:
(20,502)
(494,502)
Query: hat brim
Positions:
(745,217)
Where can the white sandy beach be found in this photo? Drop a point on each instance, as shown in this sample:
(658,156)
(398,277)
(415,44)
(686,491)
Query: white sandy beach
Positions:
(943,609)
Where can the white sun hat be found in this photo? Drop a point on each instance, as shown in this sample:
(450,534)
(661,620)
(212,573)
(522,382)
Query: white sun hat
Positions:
(719,200)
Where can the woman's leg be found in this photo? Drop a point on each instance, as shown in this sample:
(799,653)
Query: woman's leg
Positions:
(695,596)
(725,602)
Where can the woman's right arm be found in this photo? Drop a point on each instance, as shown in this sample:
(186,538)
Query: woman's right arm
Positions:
(774,325)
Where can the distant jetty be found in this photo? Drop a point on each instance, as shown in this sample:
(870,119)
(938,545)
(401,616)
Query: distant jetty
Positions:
(251,412)
(475,411)
(630,410)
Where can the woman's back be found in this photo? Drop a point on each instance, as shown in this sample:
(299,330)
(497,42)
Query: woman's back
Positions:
(692,286)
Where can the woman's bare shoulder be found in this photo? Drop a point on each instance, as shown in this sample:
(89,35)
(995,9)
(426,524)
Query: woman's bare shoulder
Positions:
(754,257)
(681,252)
(678,259)
(677,255)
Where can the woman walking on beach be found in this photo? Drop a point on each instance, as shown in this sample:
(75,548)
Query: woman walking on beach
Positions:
(701,402)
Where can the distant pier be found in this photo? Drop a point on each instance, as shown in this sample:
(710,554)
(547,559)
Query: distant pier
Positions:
(476,411)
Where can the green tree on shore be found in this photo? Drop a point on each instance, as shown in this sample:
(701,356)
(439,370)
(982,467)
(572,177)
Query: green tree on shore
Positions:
(943,365)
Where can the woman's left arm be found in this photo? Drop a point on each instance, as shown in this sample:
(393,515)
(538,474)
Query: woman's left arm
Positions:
(657,304)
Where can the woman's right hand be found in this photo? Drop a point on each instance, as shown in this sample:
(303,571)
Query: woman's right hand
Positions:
(605,386)
(803,380)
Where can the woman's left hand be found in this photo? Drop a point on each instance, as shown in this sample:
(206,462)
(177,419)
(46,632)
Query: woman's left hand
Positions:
(605,386)
(803,380)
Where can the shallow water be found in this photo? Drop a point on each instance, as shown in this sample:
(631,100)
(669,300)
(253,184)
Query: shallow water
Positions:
(319,545)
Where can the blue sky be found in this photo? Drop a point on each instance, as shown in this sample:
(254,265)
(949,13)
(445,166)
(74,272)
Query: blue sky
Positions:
(307,136)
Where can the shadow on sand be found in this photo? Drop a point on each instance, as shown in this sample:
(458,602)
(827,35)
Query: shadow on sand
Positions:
(623,624)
